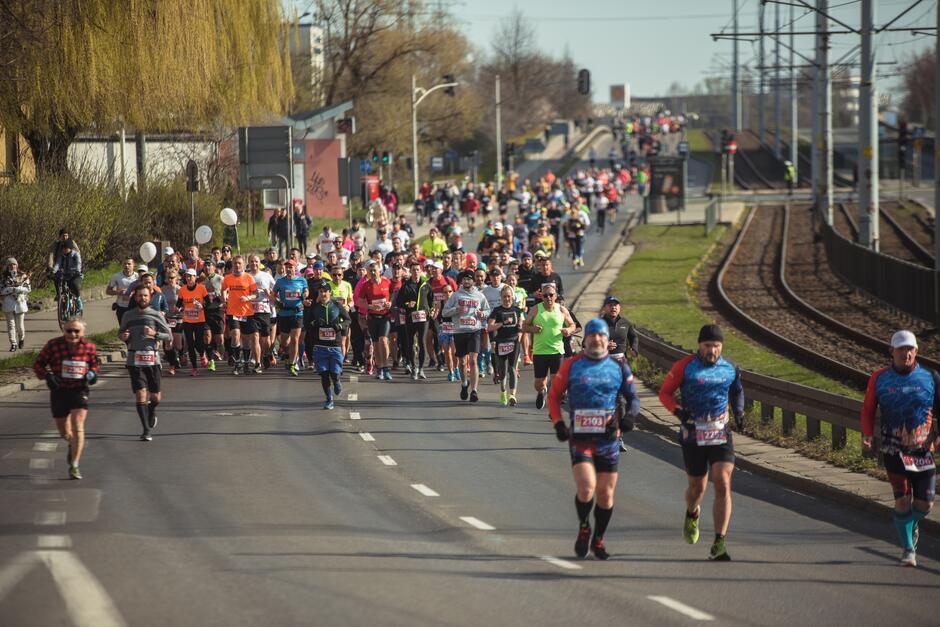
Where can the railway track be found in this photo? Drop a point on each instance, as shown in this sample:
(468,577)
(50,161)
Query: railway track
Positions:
(896,240)
(753,287)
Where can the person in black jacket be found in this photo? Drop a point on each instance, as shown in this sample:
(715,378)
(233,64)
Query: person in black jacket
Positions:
(623,338)
(302,224)
(414,300)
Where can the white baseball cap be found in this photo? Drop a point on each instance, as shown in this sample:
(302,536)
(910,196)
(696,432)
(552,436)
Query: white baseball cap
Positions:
(190,272)
(168,251)
(903,338)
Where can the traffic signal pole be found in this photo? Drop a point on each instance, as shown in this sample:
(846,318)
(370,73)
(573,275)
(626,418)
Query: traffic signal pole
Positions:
(936,144)
(417,95)
(824,201)
(499,140)
(868,200)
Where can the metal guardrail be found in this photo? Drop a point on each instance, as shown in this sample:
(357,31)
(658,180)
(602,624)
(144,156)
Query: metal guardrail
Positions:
(817,406)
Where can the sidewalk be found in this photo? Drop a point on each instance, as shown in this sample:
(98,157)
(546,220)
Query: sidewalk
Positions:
(784,465)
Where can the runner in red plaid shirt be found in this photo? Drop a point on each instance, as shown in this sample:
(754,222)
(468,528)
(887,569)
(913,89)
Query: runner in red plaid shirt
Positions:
(69,364)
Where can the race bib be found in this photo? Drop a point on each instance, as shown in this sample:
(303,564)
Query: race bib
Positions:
(327,334)
(260,307)
(171,322)
(379,303)
(591,421)
(191,314)
(419,316)
(291,295)
(72,369)
(918,463)
(710,433)
(468,321)
(505,348)
(438,297)
(240,318)
(401,319)
(144,359)
(447,327)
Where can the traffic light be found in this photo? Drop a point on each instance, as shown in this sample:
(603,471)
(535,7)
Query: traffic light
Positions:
(386,157)
(375,156)
(450,91)
(584,82)
(903,137)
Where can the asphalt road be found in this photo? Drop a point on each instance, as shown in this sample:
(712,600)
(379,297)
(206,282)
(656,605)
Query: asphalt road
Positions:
(252,505)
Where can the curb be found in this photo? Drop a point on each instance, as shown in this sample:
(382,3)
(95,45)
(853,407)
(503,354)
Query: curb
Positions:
(33,383)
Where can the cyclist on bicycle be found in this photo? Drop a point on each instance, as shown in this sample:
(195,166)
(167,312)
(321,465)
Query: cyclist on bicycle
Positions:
(67,269)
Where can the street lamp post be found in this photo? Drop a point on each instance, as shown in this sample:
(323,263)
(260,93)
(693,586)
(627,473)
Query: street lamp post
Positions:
(417,95)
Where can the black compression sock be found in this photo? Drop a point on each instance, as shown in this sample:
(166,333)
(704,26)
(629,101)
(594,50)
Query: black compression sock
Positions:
(325,382)
(584,510)
(142,414)
(601,520)
(151,408)
(334,377)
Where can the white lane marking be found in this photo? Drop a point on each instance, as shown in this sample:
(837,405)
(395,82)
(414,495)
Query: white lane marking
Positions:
(53,542)
(367,437)
(85,598)
(49,518)
(476,522)
(555,561)
(423,489)
(45,447)
(682,608)
(354,378)
(50,434)
(354,415)
(40,464)
(353,396)
(388,461)
(40,480)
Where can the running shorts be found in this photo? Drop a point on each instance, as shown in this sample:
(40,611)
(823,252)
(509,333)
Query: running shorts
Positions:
(698,459)
(328,359)
(214,322)
(603,453)
(467,343)
(543,364)
(379,326)
(257,323)
(145,377)
(64,400)
(286,324)
(921,484)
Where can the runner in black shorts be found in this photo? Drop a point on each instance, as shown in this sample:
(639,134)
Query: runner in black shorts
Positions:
(143,329)
(505,326)
(69,364)
(711,392)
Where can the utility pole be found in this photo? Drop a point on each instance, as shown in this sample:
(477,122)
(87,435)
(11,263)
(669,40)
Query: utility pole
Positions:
(777,81)
(735,78)
(814,124)
(794,128)
(936,144)
(499,140)
(760,68)
(825,111)
(868,210)
(414,132)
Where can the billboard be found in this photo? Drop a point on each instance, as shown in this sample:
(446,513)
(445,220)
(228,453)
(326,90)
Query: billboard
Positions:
(620,96)
(667,181)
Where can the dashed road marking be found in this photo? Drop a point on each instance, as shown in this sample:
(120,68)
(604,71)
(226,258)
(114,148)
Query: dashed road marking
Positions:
(560,563)
(45,447)
(423,489)
(476,522)
(49,518)
(388,461)
(353,396)
(682,608)
(367,437)
(354,378)
(354,415)
(53,542)
(39,463)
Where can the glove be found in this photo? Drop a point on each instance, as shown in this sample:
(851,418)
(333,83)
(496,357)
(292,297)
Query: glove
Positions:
(561,431)
(739,422)
(51,381)
(91,377)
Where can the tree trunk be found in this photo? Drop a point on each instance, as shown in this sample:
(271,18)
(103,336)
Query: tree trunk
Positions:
(51,150)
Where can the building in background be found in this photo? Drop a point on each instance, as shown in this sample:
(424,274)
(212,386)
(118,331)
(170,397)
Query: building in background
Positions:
(16,161)
(307,49)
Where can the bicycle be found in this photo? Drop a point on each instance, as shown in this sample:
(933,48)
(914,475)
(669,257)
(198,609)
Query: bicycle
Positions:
(68,305)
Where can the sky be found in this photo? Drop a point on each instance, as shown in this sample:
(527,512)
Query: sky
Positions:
(651,44)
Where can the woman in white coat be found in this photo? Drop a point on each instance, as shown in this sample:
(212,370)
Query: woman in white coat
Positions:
(14,286)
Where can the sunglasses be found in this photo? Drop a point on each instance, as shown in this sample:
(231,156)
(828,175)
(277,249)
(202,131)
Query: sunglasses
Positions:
(73,330)
(549,295)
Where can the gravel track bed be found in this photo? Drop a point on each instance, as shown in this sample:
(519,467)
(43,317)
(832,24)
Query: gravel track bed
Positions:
(750,284)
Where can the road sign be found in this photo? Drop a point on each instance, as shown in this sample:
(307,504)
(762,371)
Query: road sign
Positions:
(450,155)
(683,148)
(264,154)
(918,132)
(365,166)
(437,164)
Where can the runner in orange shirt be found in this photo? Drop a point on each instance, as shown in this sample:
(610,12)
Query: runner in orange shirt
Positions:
(191,300)
(238,289)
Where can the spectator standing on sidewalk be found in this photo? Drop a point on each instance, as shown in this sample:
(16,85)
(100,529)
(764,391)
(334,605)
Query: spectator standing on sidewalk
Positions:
(14,286)
(302,224)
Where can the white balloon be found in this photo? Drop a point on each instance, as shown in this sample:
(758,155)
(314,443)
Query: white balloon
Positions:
(148,251)
(203,234)
(228,217)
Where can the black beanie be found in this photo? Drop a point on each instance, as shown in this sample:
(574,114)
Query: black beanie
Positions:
(711,333)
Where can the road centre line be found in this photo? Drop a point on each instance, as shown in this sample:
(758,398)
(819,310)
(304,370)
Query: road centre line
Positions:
(388,461)
(45,447)
(423,489)
(367,437)
(354,378)
(476,522)
(555,561)
(682,608)
(39,463)
(49,518)
(354,415)
(53,542)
